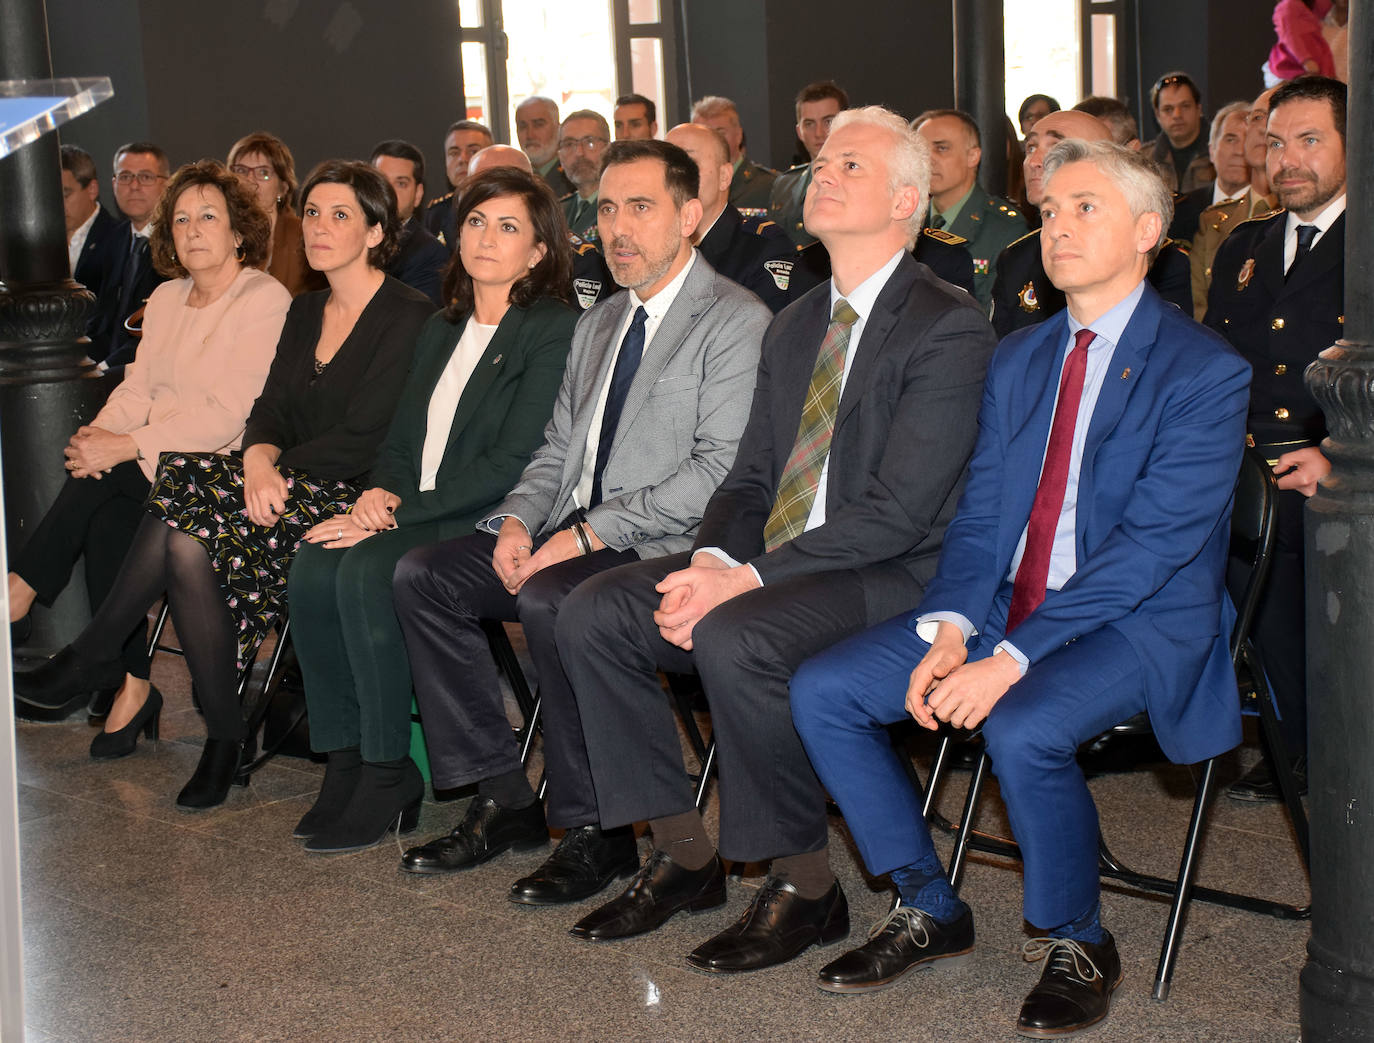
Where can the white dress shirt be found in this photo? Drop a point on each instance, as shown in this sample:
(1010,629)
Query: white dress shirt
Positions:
(78,240)
(1323,221)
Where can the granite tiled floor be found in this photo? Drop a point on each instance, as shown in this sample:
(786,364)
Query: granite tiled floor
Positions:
(142,923)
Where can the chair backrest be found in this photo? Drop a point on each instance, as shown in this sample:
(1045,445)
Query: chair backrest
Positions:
(1252,537)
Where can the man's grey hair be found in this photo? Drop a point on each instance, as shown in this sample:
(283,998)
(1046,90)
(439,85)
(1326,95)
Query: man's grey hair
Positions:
(1134,175)
(539,99)
(909,163)
(588,114)
(1219,120)
(714,105)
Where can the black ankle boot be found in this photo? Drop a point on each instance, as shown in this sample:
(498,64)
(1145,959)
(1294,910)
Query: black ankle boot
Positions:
(217,771)
(66,680)
(387,797)
(341,775)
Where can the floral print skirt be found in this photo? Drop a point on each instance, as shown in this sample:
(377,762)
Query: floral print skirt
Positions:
(201,494)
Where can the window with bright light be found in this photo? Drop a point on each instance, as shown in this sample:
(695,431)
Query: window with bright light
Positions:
(1042,53)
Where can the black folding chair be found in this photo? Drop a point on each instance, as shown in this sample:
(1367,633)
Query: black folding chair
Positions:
(1252,538)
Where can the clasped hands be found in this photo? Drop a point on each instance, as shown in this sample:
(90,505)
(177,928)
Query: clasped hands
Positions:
(374,511)
(515,559)
(690,593)
(946,687)
(93,451)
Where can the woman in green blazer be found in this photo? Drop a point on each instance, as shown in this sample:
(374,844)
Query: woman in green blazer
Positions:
(481,388)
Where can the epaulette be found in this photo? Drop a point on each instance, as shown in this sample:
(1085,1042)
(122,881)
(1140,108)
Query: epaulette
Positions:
(1034,232)
(1183,248)
(796,168)
(440,199)
(566,196)
(948,238)
(1265,216)
(1002,208)
(579,245)
(757,225)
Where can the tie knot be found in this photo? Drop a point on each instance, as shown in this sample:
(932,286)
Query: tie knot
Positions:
(843,313)
(1306,233)
(641,317)
(1083,338)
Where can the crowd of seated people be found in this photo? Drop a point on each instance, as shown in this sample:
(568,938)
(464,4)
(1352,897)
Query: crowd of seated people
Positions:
(679,412)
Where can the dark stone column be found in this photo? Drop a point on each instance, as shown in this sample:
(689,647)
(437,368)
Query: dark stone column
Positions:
(1338,980)
(48,387)
(980,84)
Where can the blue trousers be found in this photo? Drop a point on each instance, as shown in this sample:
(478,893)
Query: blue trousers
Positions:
(843,698)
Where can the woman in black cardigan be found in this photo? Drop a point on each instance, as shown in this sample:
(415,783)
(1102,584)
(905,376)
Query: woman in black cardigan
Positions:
(220,532)
(482,386)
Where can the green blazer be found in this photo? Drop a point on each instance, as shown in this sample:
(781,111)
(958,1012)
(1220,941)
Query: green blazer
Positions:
(499,421)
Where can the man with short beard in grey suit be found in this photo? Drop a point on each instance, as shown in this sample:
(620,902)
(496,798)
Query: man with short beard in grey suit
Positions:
(646,425)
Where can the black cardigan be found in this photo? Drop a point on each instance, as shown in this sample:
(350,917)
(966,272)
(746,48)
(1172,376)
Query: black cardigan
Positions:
(330,426)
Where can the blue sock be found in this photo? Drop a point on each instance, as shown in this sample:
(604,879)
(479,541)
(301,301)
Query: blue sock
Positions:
(1087,928)
(923,884)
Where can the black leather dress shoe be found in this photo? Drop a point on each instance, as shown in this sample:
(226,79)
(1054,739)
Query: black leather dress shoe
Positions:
(778,925)
(486,830)
(64,682)
(1259,786)
(660,889)
(1075,988)
(905,939)
(583,863)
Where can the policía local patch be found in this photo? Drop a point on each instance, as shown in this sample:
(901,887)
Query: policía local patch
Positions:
(1247,270)
(587,291)
(781,271)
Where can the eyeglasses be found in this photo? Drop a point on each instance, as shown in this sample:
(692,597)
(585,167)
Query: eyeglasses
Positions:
(256,173)
(146,178)
(588,144)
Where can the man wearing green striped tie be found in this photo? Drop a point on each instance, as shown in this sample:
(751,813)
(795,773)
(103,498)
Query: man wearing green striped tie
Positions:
(863,419)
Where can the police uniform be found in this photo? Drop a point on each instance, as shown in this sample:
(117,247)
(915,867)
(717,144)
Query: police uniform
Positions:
(1280,324)
(988,225)
(557,180)
(753,253)
(751,187)
(1023,295)
(942,252)
(785,203)
(592,280)
(420,261)
(1214,225)
(441,220)
(1187,211)
(581,215)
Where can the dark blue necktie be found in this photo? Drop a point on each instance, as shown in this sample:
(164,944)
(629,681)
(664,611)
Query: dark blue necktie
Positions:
(626,366)
(1306,233)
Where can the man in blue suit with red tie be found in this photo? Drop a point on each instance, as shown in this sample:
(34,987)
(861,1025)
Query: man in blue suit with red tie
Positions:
(1080,583)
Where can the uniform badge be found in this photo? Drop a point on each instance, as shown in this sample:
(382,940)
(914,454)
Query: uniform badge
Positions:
(781,271)
(980,266)
(1027,298)
(440,236)
(587,291)
(1247,270)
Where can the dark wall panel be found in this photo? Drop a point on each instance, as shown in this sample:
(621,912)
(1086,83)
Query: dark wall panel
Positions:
(727,54)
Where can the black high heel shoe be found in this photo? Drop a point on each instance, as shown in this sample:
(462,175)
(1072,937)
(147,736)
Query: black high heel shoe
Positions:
(64,682)
(387,797)
(121,743)
(218,769)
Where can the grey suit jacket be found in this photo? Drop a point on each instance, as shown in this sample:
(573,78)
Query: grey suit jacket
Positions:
(678,431)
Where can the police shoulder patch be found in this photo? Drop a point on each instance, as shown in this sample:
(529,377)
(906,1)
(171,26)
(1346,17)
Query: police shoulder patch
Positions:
(944,237)
(781,272)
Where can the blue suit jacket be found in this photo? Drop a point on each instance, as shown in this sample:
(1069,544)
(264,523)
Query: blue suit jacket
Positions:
(1154,505)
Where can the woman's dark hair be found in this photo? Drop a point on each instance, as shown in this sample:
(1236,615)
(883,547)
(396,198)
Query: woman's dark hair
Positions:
(1032,100)
(375,197)
(246,218)
(551,277)
(283,163)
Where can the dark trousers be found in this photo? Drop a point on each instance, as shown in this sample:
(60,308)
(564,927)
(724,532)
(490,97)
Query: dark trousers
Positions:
(442,593)
(843,699)
(745,652)
(95,519)
(1281,623)
(352,655)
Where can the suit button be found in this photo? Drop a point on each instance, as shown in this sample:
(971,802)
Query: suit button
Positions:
(1276,325)
(1280,370)
(1281,413)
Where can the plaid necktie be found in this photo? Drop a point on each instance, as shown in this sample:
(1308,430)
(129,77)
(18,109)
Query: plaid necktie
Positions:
(1032,575)
(802,474)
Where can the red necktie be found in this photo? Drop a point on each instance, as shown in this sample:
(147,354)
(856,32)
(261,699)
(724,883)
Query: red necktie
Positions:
(1028,590)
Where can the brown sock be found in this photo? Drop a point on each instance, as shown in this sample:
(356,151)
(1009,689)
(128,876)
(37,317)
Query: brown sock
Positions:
(809,873)
(684,839)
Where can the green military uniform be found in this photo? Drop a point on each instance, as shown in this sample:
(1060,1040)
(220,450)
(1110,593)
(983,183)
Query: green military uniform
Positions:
(555,178)
(581,215)
(785,203)
(751,187)
(989,225)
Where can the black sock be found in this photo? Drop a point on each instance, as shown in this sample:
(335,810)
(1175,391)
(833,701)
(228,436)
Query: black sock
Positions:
(684,839)
(511,789)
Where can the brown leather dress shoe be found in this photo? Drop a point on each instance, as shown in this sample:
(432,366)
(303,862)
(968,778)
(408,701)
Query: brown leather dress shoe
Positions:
(1075,988)
(660,889)
(905,939)
(778,925)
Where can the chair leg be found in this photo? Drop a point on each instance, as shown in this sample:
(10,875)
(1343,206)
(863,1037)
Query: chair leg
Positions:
(1187,870)
(1276,751)
(708,767)
(158,627)
(937,774)
(961,839)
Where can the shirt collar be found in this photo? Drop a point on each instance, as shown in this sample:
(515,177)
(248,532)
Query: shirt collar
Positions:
(85,228)
(1324,220)
(657,305)
(1112,325)
(1218,196)
(952,214)
(865,295)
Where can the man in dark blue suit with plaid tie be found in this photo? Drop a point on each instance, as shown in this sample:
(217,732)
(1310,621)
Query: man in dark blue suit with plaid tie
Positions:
(1080,583)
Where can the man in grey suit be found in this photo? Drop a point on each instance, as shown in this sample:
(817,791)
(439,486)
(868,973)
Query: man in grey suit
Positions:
(645,426)
(831,519)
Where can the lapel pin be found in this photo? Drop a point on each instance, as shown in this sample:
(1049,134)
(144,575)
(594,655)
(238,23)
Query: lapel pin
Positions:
(1246,271)
(497,361)
(1125,372)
